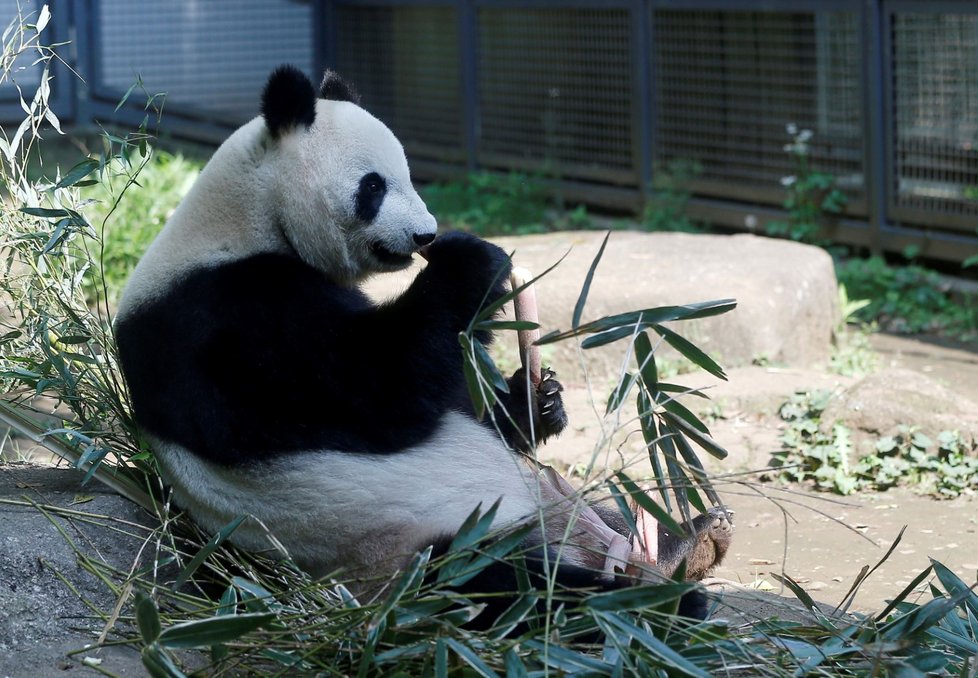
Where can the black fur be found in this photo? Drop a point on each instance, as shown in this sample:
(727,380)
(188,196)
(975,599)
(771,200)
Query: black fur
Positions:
(267,355)
(370,196)
(337,89)
(289,100)
(501,577)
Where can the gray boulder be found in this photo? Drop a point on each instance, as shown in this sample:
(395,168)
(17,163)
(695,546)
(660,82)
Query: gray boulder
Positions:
(786,292)
(880,403)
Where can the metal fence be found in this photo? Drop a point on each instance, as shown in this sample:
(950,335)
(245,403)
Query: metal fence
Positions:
(597,96)
(601,96)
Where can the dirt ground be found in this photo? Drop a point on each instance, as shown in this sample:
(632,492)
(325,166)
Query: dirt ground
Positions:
(819,539)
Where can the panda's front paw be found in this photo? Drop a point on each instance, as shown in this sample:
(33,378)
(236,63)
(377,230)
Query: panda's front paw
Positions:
(550,404)
(469,266)
(530,422)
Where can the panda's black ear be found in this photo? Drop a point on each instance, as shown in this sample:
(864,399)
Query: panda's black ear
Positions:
(289,100)
(337,89)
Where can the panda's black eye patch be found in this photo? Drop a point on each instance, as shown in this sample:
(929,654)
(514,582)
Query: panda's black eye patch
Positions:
(370,196)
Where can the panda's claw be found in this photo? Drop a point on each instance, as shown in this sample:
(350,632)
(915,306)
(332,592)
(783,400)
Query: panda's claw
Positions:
(553,418)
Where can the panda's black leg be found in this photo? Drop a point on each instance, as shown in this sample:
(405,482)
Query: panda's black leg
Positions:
(529,415)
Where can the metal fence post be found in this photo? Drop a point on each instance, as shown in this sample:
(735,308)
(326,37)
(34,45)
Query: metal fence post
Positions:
(644,49)
(469,72)
(874,122)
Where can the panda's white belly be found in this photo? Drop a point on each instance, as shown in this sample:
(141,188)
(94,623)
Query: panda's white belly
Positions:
(364,512)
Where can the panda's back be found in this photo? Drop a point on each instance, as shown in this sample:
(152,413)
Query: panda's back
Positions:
(246,360)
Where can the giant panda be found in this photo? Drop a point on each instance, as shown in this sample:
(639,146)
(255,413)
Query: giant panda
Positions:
(270,386)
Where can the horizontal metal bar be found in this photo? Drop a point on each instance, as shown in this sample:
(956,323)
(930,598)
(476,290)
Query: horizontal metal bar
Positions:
(792,6)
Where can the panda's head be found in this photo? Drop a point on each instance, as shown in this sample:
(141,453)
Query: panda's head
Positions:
(340,180)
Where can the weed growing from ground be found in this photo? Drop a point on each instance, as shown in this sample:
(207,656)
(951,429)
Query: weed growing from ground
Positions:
(823,453)
(908,299)
(813,200)
(488,203)
(852,355)
(665,209)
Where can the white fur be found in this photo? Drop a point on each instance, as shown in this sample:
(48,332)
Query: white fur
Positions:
(293,194)
(330,509)
(336,510)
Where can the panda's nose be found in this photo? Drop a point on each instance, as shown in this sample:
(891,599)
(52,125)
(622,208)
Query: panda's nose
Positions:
(423,239)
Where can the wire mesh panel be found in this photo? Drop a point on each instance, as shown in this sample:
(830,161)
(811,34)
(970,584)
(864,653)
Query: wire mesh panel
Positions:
(23,71)
(935,113)
(556,92)
(727,83)
(404,60)
(211,58)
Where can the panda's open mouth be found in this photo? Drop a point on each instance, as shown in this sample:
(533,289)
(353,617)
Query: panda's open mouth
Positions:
(389,257)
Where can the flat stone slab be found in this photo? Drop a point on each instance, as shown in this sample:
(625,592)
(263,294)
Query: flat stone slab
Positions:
(41,619)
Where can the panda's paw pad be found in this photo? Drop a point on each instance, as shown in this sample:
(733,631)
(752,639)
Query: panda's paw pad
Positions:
(720,532)
(550,404)
(722,520)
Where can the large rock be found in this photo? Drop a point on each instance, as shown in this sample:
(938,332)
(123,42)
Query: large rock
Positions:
(882,402)
(786,292)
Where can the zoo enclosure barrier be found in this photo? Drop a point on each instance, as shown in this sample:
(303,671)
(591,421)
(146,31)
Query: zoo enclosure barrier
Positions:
(595,96)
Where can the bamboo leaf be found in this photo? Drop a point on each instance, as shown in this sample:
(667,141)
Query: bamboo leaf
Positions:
(675,663)
(48,213)
(676,408)
(159,664)
(955,586)
(699,472)
(702,439)
(800,593)
(492,325)
(646,361)
(78,172)
(213,630)
(489,311)
(470,658)
(645,318)
(623,509)
(691,352)
(907,590)
(684,390)
(618,395)
(207,550)
(650,434)
(677,478)
(147,618)
(646,502)
(487,368)
(608,337)
(586,287)
(482,399)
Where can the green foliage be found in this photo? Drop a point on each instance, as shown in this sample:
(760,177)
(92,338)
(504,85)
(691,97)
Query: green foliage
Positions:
(488,203)
(126,227)
(822,453)
(665,208)
(813,200)
(53,343)
(852,355)
(907,299)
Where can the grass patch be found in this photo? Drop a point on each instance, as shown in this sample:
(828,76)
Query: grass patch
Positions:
(488,204)
(908,299)
(823,453)
(126,227)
